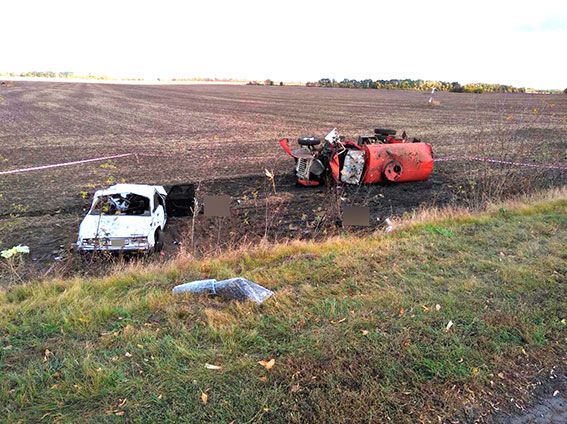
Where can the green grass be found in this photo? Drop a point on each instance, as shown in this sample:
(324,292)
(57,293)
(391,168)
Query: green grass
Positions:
(353,327)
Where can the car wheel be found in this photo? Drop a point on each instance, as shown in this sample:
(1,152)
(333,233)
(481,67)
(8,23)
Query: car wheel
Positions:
(158,243)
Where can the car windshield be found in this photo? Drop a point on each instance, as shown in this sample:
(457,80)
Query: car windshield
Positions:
(121,204)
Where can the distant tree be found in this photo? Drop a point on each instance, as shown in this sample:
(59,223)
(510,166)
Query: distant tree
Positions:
(281,83)
(457,88)
(565,91)
(268,82)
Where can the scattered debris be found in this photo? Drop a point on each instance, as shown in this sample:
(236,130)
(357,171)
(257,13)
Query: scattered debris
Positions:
(234,288)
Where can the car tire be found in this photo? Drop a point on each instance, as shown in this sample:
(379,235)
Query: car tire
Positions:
(158,241)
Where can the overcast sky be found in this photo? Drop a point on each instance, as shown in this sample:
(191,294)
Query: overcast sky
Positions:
(523,43)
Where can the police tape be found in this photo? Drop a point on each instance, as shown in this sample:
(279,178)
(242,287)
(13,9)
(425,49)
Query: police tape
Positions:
(58,165)
(445,159)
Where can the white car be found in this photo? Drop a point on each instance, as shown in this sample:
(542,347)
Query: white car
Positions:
(125,217)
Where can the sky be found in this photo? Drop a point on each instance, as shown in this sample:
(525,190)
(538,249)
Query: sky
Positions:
(522,43)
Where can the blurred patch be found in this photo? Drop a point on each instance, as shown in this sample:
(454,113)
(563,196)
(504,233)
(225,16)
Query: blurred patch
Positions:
(217,205)
(356,216)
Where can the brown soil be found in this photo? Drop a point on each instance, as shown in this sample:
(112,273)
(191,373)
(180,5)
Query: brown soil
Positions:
(226,136)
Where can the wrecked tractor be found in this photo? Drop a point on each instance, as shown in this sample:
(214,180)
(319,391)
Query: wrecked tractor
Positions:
(381,157)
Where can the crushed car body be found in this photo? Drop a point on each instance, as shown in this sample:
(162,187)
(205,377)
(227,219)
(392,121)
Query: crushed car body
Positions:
(125,217)
(366,160)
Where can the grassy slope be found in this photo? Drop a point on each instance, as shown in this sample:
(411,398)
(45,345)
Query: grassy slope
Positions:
(353,328)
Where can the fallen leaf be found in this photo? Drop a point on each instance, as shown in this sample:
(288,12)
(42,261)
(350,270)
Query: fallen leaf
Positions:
(47,354)
(402,312)
(555,393)
(127,354)
(139,346)
(7,347)
(122,403)
(295,388)
(449,325)
(475,372)
(212,367)
(268,364)
(426,308)
(501,375)
(364,332)
(204,398)
(264,378)
(438,307)
(119,413)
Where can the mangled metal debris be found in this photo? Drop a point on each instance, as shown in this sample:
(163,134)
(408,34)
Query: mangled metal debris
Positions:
(125,217)
(381,157)
(233,289)
(132,217)
(353,167)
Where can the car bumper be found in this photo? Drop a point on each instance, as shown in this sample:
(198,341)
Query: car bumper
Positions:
(105,248)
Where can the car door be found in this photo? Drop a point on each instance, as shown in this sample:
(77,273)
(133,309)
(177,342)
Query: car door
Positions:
(158,212)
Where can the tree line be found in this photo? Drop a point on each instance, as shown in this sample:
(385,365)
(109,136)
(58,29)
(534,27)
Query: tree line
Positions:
(421,85)
(52,74)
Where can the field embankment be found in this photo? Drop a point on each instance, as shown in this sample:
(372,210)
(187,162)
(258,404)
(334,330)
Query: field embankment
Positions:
(449,317)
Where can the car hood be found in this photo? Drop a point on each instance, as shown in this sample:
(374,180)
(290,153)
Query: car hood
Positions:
(114,226)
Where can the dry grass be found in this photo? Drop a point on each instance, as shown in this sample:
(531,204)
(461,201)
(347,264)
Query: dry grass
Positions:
(353,327)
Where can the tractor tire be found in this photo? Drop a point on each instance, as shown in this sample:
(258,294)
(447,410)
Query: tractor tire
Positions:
(308,141)
(384,131)
(158,243)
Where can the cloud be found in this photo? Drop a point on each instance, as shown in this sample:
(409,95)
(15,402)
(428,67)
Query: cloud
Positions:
(550,24)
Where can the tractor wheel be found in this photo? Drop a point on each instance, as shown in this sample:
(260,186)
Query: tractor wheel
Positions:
(158,241)
(384,131)
(308,141)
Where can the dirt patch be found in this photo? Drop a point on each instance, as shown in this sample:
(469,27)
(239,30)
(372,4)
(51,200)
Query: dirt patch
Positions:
(548,405)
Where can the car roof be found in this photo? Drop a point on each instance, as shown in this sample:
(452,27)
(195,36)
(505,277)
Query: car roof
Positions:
(139,189)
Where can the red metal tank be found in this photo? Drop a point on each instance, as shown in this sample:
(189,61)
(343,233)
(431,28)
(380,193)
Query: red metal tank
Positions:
(397,162)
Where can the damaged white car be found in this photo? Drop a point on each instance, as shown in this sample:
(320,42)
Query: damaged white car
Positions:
(124,218)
